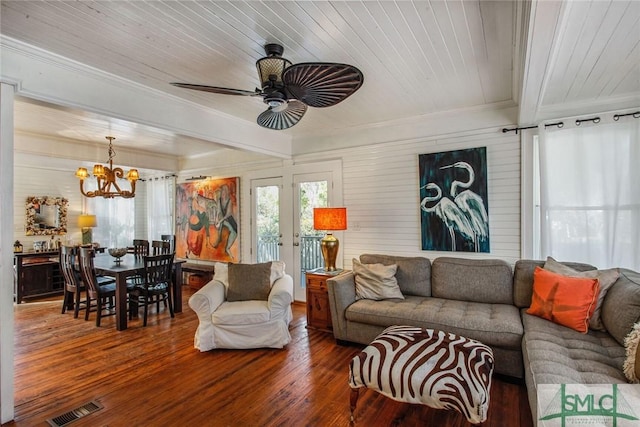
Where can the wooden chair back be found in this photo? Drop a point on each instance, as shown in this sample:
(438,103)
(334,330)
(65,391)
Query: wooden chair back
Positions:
(159,247)
(157,271)
(171,238)
(88,273)
(140,247)
(68,258)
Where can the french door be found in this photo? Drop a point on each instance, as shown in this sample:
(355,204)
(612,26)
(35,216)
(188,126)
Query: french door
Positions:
(282,221)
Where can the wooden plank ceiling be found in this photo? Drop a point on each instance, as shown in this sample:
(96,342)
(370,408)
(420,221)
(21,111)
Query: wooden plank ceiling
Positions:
(418,57)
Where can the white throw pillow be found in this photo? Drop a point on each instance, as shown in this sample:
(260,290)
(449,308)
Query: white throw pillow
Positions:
(376,281)
(606,278)
(277,271)
(221,273)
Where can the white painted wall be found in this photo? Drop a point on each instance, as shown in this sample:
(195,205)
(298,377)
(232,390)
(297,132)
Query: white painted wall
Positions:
(382,196)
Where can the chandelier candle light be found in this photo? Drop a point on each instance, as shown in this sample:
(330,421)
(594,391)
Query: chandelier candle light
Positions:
(329,219)
(106,178)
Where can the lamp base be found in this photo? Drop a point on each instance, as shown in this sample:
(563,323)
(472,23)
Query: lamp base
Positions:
(87,236)
(329,246)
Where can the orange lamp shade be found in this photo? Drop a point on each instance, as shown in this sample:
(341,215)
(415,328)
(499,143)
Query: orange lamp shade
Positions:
(329,218)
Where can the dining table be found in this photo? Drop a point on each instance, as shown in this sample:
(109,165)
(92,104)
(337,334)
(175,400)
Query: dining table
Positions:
(131,265)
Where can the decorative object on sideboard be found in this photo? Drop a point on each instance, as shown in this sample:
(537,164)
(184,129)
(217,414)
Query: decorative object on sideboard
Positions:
(45,216)
(86,222)
(106,177)
(329,219)
(17,247)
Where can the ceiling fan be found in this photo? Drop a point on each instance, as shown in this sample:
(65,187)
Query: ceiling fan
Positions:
(288,89)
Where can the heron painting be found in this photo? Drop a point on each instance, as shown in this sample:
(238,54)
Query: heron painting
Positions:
(453,201)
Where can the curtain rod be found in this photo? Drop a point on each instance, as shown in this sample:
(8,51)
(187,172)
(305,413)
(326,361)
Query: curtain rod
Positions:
(616,117)
(159,177)
(516,129)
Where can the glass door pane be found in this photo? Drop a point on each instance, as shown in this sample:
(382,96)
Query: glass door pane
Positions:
(312,192)
(267,235)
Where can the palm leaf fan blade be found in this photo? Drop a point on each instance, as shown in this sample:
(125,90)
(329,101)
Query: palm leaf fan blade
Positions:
(280,118)
(322,84)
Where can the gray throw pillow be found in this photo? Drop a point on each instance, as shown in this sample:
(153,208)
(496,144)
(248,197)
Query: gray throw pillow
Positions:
(606,278)
(376,281)
(249,282)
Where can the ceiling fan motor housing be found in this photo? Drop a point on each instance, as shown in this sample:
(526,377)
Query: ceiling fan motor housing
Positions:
(275,98)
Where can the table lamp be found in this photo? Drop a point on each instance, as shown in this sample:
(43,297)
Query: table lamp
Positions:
(329,219)
(86,223)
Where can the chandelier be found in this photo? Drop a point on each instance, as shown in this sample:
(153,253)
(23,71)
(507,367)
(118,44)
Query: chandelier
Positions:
(106,178)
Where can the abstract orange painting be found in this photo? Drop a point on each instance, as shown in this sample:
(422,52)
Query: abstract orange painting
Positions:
(207,220)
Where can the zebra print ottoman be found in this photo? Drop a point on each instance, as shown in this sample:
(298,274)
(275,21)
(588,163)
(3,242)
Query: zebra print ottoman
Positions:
(426,366)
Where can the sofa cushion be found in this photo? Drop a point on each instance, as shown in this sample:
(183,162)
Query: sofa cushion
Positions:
(376,281)
(559,355)
(621,306)
(565,300)
(492,324)
(249,282)
(487,280)
(606,278)
(413,274)
(241,313)
(523,279)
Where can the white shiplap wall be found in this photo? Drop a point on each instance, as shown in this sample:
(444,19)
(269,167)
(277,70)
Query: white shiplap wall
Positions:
(39,181)
(382,197)
(380,190)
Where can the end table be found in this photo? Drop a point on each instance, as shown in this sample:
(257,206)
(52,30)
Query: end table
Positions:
(318,312)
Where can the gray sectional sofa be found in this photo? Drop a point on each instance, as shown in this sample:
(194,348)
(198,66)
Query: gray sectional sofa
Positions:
(487,300)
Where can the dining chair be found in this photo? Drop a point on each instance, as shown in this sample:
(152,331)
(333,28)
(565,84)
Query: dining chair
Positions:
(155,287)
(171,238)
(160,247)
(140,247)
(100,297)
(73,285)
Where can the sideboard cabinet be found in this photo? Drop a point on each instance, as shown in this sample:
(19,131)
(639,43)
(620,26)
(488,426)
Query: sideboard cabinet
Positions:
(37,274)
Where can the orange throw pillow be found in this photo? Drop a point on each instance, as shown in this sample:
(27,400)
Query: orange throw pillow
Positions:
(568,301)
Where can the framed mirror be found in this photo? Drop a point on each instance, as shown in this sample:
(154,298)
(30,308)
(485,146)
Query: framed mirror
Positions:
(46,216)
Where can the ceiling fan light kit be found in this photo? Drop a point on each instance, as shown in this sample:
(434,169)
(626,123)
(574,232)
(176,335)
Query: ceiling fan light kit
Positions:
(288,89)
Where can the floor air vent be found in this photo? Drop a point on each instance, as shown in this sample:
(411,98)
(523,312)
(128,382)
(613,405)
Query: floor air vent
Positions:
(75,414)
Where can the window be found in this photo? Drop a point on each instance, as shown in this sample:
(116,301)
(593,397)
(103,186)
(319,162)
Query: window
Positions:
(115,219)
(160,202)
(588,206)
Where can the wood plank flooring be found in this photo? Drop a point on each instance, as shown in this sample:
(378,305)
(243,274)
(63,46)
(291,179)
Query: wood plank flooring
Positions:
(154,377)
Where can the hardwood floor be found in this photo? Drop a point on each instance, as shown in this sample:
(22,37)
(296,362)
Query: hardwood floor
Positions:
(154,377)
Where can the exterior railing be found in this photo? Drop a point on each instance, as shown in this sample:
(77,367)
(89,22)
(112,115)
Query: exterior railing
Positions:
(310,253)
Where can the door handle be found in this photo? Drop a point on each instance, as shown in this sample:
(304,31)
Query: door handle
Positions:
(296,243)
(279,243)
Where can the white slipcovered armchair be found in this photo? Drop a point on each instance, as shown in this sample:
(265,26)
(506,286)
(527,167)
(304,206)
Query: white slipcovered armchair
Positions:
(249,323)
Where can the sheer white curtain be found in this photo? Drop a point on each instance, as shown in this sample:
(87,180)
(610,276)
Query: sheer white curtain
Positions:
(115,219)
(590,194)
(160,203)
